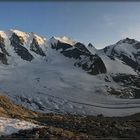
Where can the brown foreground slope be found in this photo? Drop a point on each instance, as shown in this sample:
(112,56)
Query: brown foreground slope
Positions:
(68,126)
(9,109)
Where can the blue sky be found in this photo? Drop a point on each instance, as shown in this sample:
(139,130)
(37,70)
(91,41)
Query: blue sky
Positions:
(101,23)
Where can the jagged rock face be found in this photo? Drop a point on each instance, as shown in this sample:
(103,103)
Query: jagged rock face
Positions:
(2,46)
(3,58)
(75,53)
(129,61)
(93,64)
(3,52)
(61,45)
(18,43)
(81,47)
(36,48)
(99,66)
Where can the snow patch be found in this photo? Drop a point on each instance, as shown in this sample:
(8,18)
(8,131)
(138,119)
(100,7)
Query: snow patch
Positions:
(116,66)
(9,126)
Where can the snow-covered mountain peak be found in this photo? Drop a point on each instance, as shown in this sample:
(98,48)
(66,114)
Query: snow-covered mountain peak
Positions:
(127,51)
(28,37)
(125,46)
(134,43)
(127,40)
(3,34)
(90,45)
(16,46)
(39,39)
(63,39)
(91,48)
(20,34)
(129,44)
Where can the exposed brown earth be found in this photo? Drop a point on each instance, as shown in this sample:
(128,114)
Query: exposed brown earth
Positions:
(9,109)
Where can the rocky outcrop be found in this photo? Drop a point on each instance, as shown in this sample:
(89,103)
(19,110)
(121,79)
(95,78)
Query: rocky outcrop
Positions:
(3,52)
(129,86)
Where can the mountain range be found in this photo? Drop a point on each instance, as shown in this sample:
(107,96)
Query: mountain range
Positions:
(63,75)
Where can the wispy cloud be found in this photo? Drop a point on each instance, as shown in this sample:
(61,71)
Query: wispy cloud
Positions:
(109,20)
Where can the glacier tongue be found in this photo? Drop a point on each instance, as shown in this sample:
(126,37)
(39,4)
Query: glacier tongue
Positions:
(58,86)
